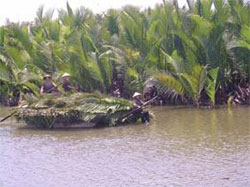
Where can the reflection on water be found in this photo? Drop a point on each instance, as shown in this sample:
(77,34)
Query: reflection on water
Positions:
(182,147)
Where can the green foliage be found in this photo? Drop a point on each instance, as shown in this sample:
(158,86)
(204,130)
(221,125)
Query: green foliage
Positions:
(171,82)
(185,47)
(79,108)
(211,84)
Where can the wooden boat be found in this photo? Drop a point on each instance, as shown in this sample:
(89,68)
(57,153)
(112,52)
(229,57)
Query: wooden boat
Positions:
(80,110)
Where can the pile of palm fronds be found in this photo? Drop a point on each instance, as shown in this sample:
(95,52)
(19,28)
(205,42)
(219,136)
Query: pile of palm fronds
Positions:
(78,108)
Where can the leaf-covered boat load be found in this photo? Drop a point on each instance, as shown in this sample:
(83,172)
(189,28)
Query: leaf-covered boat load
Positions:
(76,110)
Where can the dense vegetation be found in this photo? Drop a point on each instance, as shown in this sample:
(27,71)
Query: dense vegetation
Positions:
(199,54)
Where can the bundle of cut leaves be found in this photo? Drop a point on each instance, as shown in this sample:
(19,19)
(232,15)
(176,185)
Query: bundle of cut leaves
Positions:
(80,108)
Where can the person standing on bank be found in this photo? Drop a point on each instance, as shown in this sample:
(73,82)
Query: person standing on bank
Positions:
(139,112)
(66,82)
(48,86)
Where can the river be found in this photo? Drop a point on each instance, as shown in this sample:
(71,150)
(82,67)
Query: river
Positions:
(181,147)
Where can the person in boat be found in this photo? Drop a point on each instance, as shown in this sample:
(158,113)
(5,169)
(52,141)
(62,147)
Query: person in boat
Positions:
(48,86)
(139,112)
(66,82)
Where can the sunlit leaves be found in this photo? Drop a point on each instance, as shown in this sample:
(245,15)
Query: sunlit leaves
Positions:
(211,84)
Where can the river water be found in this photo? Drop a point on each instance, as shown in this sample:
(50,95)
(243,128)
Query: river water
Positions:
(181,147)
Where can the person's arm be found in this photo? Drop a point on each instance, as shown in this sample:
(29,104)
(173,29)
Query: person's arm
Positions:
(137,104)
(54,84)
(55,87)
(41,90)
(70,87)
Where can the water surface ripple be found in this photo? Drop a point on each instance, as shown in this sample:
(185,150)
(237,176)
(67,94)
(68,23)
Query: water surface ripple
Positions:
(182,147)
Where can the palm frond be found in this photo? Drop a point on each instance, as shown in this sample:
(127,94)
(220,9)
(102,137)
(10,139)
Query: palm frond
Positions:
(211,84)
(171,82)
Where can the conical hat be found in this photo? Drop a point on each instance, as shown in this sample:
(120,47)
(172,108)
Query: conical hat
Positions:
(46,76)
(136,94)
(66,75)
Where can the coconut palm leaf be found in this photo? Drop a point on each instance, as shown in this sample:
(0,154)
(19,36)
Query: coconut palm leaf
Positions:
(112,22)
(195,82)
(211,83)
(171,83)
(1,36)
(5,75)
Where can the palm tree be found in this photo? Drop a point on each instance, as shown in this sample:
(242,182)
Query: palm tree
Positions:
(191,52)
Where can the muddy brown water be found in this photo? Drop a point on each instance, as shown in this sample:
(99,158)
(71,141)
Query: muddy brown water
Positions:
(181,147)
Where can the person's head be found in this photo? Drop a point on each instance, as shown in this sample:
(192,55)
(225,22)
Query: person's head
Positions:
(136,95)
(47,78)
(66,76)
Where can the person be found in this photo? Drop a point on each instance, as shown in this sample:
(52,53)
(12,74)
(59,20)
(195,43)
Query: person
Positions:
(139,112)
(48,86)
(66,82)
(14,101)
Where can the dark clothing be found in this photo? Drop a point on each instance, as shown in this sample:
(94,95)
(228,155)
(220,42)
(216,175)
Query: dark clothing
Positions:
(66,86)
(137,103)
(140,113)
(143,114)
(49,87)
